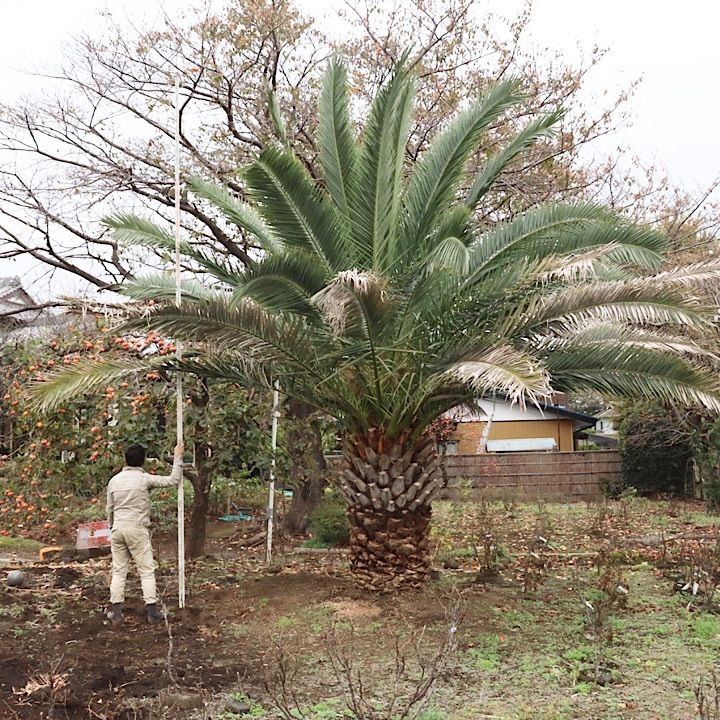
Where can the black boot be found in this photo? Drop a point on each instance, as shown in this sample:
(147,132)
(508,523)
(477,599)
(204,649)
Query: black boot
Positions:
(153,614)
(115,615)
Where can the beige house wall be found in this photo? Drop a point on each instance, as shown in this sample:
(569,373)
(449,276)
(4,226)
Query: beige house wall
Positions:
(468,434)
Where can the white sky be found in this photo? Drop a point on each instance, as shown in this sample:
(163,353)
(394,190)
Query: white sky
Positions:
(672,45)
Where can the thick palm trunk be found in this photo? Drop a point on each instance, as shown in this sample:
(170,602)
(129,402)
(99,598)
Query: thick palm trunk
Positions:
(389,487)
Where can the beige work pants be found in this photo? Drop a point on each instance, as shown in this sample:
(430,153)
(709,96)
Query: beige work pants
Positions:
(128,541)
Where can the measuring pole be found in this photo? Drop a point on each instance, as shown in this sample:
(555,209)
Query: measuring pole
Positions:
(178,352)
(271,492)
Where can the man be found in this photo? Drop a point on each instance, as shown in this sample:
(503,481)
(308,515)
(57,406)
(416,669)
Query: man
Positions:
(128,510)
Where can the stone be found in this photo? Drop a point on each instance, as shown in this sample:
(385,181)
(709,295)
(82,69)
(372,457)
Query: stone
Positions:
(16,578)
(239,707)
(175,698)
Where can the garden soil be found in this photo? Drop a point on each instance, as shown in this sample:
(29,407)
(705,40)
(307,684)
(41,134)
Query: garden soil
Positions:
(521,645)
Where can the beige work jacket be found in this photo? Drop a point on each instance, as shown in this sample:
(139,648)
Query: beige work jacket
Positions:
(128,494)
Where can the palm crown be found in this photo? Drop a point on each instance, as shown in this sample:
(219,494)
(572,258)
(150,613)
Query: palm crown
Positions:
(380,298)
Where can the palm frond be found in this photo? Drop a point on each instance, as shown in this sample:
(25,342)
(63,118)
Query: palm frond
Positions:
(237,212)
(131,229)
(697,276)
(542,127)
(502,369)
(336,142)
(161,287)
(618,336)
(283,282)
(243,327)
(450,255)
(376,190)
(89,377)
(639,302)
(438,173)
(226,367)
(632,372)
(276,117)
(544,225)
(295,208)
(575,267)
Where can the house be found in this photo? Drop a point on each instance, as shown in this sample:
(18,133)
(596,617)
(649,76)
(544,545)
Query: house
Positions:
(514,428)
(20,317)
(13,298)
(606,421)
(605,434)
(21,320)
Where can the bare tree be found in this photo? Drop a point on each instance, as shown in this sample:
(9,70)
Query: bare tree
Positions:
(102,139)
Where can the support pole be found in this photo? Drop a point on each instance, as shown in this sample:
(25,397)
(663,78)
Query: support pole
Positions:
(271,491)
(178,379)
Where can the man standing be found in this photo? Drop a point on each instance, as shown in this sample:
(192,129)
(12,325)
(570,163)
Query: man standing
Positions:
(128,510)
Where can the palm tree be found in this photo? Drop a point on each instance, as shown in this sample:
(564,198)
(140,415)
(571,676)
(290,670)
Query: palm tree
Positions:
(384,298)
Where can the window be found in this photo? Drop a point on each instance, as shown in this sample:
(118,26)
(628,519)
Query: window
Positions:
(451,447)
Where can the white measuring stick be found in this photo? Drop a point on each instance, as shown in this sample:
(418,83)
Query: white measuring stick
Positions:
(271,491)
(179,407)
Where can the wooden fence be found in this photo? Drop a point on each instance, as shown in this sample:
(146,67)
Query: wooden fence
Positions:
(534,475)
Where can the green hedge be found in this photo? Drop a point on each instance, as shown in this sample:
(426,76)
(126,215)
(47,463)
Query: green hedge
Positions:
(656,453)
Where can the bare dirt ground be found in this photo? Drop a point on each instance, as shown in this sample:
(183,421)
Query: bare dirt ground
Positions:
(251,630)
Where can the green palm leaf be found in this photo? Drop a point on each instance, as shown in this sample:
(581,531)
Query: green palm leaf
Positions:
(376,190)
(243,327)
(276,117)
(162,288)
(632,372)
(439,171)
(336,142)
(129,229)
(237,212)
(543,226)
(133,230)
(541,128)
(295,208)
(284,281)
(91,376)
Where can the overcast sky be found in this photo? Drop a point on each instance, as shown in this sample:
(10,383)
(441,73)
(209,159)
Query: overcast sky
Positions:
(672,45)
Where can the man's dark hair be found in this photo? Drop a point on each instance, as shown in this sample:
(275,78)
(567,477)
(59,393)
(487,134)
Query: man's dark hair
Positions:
(135,456)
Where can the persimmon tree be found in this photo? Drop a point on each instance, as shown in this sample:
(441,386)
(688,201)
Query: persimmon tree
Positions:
(77,447)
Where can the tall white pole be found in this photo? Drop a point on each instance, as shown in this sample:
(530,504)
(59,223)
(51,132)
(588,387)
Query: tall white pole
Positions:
(271,491)
(178,379)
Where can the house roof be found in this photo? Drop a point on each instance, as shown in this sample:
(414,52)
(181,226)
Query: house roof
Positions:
(582,418)
(610,412)
(502,410)
(14,297)
(26,324)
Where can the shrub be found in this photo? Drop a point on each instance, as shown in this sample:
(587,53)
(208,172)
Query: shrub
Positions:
(707,455)
(329,524)
(656,455)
